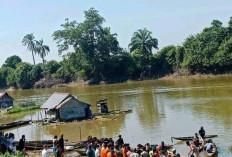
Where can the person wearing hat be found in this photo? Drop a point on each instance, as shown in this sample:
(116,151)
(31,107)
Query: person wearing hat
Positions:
(120,141)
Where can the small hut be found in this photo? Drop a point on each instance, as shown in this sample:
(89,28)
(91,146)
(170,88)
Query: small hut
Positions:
(65,107)
(102,106)
(6,100)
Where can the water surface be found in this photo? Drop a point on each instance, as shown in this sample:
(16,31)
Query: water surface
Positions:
(161,109)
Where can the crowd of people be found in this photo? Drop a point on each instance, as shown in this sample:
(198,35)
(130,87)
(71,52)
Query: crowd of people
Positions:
(108,148)
(8,144)
(197,145)
(58,147)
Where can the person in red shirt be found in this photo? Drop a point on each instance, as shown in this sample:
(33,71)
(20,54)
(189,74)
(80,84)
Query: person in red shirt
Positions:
(104,150)
(124,151)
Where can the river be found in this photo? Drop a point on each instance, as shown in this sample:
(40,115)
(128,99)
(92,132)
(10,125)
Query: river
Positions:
(161,109)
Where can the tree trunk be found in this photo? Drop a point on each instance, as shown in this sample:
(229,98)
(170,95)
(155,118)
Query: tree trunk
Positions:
(33,56)
(44,66)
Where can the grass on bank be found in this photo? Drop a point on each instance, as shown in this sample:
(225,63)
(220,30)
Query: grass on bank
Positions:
(20,154)
(22,109)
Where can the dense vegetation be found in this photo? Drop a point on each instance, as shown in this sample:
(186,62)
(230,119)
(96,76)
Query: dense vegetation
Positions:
(91,52)
(18,109)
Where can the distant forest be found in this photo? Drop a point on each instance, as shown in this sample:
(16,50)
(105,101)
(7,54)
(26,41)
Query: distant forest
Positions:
(96,55)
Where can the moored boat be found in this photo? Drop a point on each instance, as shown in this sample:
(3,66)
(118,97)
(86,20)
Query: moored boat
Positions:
(213,154)
(14,124)
(191,137)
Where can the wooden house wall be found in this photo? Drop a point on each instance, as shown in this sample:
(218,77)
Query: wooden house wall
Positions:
(72,110)
(51,114)
(6,100)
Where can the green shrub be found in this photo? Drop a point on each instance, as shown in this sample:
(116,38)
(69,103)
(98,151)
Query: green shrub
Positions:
(21,109)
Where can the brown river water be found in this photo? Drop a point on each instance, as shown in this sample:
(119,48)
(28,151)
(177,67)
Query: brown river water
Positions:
(161,109)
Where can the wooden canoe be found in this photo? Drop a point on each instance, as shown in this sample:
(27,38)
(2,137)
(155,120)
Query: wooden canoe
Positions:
(14,124)
(213,154)
(191,137)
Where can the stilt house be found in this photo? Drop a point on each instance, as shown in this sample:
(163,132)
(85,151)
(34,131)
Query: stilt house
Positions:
(65,107)
(6,100)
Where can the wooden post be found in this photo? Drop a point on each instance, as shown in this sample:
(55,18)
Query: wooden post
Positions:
(41,117)
(18,129)
(31,115)
(80,133)
(38,116)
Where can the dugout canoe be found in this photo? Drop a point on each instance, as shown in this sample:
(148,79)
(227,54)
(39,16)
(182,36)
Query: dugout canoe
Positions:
(213,154)
(14,124)
(191,137)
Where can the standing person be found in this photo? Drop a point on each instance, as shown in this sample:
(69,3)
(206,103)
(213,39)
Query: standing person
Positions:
(61,142)
(144,153)
(124,150)
(45,151)
(22,143)
(196,141)
(14,149)
(202,132)
(193,149)
(90,152)
(55,143)
(97,151)
(120,141)
(11,140)
(129,151)
(2,143)
(104,150)
(112,153)
(59,152)
(134,153)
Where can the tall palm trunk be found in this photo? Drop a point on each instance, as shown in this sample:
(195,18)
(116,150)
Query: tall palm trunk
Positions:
(33,56)
(44,66)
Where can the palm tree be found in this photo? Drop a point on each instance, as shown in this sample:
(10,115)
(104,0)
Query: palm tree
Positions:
(42,50)
(141,44)
(142,40)
(29,41)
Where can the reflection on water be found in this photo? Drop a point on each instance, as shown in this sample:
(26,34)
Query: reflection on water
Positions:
(161,109)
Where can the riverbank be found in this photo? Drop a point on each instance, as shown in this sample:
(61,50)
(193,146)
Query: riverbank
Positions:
(195,76)
(174,76)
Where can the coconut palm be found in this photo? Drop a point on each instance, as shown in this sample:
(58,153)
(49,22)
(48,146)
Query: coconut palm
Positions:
(42,50)
(29,42)
(142,40)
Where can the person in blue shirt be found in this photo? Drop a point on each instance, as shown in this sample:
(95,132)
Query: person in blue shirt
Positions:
(209,147)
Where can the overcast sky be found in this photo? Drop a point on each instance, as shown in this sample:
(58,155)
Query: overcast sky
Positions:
(171,21)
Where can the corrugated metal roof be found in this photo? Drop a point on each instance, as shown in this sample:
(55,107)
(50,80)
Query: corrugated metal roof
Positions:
(55,99)
(5,93)
(1,94)
(70,98)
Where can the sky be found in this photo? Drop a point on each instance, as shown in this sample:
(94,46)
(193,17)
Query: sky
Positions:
(171,21)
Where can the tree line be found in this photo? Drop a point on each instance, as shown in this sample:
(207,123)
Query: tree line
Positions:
(91,52)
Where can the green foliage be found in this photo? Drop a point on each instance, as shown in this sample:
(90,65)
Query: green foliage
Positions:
(12,61)
(29,42)
(97,55)
(22,109)
(23,75)
(36,72)
(52,67)
(19,154)
(141,45)
(94,45)
(7,77)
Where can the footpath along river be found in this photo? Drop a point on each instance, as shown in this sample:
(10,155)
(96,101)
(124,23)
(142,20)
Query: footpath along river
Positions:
(161,109)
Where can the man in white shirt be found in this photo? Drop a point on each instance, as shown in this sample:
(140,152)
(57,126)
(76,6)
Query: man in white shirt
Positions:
(45,152)
(97,152)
